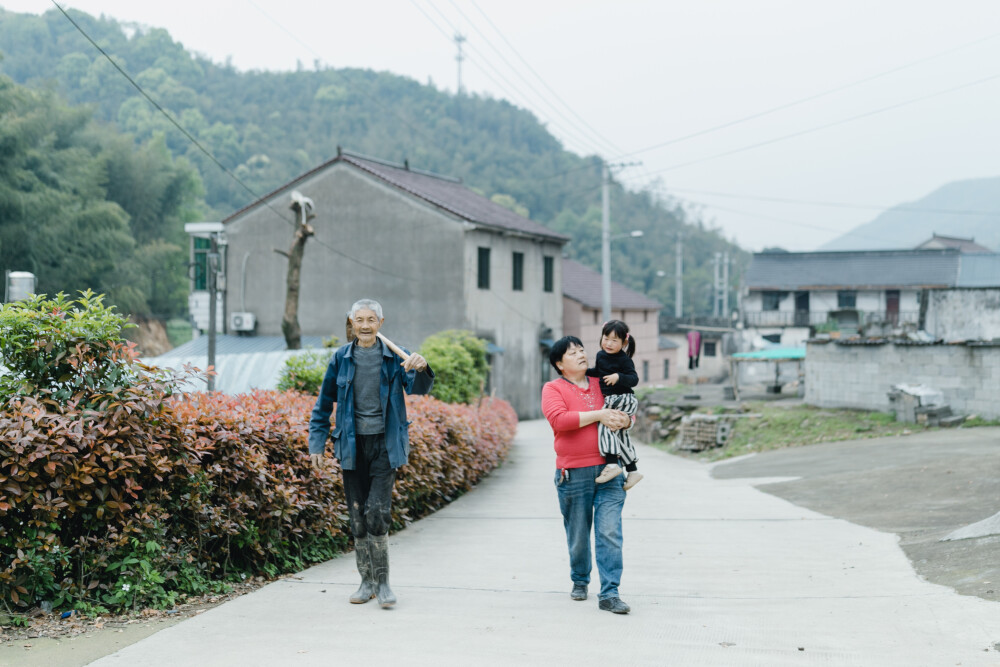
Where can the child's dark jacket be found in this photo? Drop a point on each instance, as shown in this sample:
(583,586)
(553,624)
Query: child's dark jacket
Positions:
(620,363)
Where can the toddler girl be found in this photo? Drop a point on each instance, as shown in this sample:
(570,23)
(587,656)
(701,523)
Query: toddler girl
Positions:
(617,373)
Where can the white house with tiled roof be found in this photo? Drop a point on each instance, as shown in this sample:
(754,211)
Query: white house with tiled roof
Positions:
(434,253)
(656,357)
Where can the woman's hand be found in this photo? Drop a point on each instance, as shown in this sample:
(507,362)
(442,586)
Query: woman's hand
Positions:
(318,462)
(611,380)
(614,419)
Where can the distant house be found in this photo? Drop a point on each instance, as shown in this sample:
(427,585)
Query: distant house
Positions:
(656,359)
(434,253)
(966,246)
(946,292)
(852,288)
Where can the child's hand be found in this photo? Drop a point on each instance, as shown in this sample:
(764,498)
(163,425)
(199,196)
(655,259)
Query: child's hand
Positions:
(611,380)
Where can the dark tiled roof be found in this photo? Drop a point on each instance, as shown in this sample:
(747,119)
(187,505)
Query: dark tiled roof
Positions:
(583,284)
(937,241)
(979,271)
(869,269)
(443,192)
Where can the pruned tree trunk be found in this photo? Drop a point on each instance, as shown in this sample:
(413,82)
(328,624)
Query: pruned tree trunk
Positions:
(290,322)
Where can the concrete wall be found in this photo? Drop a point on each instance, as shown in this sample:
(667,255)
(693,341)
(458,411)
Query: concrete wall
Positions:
(371,242)
(860,376)
(586,324)
(515,321)
(964,314)
(420,263)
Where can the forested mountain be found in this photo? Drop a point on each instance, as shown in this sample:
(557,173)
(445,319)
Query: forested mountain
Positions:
(908,225)
(267,127)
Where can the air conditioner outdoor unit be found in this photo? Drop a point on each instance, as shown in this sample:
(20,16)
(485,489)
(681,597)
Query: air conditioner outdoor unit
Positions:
(242,321)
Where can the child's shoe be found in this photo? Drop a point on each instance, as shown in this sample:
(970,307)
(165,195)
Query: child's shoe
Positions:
(632,479)
(609,473)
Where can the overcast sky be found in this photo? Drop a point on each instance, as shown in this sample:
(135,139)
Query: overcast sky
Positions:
(617,77)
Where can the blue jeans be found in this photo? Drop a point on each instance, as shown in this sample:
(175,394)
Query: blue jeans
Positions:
(585,503)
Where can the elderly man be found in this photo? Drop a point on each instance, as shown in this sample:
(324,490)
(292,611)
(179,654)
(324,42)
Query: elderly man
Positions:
(366,381)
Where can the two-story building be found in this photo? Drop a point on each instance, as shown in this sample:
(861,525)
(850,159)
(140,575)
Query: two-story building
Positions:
(787,295)
(656,357)
(434,253)
(947,292)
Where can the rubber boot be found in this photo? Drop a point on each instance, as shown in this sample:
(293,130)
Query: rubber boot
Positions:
(379,545)
(362,552)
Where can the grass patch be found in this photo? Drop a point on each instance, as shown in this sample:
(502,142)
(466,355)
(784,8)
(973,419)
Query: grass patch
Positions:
(778,427)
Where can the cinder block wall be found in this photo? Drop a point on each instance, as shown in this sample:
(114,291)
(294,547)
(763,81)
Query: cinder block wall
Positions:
(860,376)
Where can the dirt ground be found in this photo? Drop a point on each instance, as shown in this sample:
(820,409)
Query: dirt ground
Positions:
(921,487)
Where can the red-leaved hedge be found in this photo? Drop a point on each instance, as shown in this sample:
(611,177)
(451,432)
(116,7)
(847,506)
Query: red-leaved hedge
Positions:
(143,498)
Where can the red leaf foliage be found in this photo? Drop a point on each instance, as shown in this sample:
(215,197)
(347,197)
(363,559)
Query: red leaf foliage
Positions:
(220,484)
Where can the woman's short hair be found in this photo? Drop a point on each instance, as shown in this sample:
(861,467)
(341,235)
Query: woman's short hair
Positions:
(559,349)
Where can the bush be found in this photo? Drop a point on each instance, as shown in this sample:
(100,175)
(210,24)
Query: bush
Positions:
(304,372)
(459,362)
(58,347)
(119,495)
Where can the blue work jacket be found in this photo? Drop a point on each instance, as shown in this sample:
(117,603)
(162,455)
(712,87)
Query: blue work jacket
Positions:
(338,388)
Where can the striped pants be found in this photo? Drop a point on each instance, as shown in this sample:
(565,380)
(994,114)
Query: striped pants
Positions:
(618,443)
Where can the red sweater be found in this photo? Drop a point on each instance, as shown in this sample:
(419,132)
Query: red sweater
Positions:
(562,403)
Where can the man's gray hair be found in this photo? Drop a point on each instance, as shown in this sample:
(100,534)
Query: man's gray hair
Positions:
(369,304)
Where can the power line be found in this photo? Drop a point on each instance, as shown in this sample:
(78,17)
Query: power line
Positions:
(831,124)
(781,200)
(165,113)
(787,105)
(539,76)
(504,88)
(793,223)
(208,153)
(599,139)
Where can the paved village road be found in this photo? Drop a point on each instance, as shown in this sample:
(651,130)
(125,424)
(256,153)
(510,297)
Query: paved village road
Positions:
(716,571)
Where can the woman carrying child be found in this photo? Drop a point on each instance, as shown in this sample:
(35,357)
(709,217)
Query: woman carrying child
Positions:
(617,375)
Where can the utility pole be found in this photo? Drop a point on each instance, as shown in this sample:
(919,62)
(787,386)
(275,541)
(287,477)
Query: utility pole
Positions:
(717,278)
(459,38)
(605,242)
(213,300)
(679,278)
(606,234)
(725,284)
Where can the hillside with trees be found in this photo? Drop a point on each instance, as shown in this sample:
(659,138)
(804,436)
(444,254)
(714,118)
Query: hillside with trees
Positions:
(267,127)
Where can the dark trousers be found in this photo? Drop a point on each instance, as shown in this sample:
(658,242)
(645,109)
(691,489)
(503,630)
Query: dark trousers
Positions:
(369,487)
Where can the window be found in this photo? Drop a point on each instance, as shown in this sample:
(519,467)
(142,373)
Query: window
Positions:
(666,369)
(645,370)
(518,272)
(201,249)
(847,298)
(772,300)
(549,271)
(595,317)
(645,316)
(484,268)
(710,348)
(772,338)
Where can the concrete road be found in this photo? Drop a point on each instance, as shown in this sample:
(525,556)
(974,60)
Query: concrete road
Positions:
(923,487)
(716,571)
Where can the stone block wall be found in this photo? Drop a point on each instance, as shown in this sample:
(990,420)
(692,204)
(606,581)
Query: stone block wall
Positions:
(860,376)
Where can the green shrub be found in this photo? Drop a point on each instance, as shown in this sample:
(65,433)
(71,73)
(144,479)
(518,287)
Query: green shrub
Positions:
(304,372)
(59,347)
(120,495)
(459,362)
